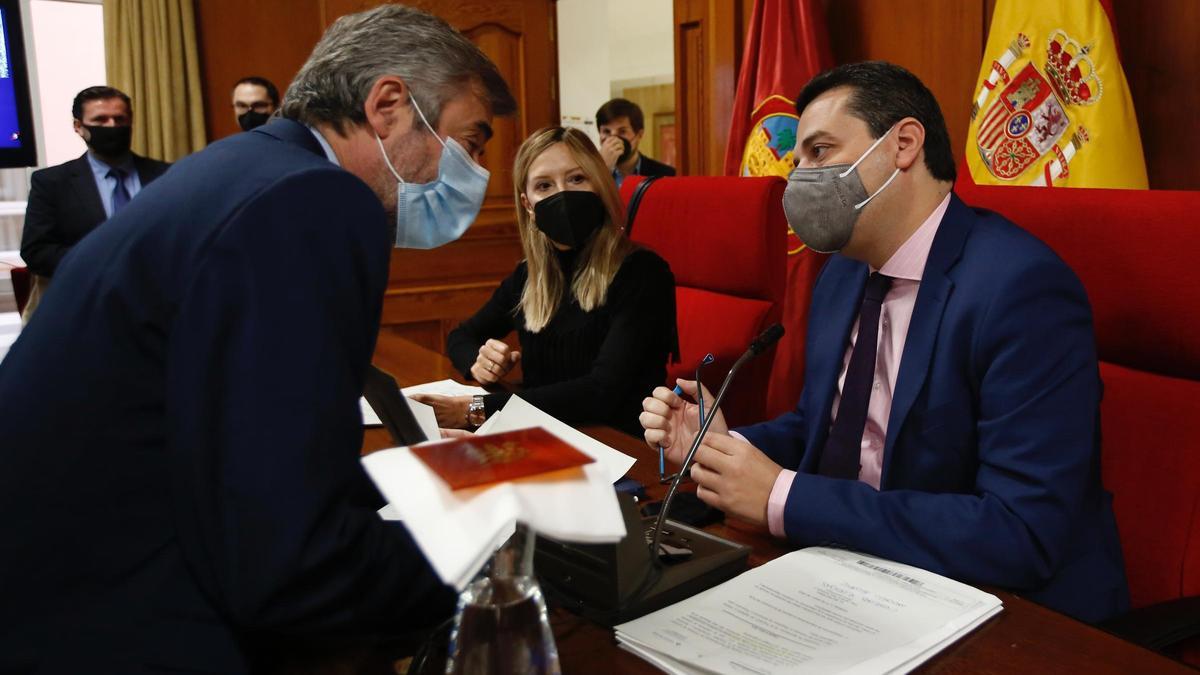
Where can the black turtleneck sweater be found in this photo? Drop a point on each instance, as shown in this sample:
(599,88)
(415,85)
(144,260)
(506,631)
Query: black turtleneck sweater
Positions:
(584,367)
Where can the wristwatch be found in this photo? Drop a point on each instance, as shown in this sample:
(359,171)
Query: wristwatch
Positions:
(476,414)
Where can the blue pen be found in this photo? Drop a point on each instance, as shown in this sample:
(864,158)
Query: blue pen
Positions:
(662,455)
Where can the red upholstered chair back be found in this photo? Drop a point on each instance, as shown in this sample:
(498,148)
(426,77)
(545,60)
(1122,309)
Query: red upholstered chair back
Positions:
(724,240)
(1135,251)
(21,281)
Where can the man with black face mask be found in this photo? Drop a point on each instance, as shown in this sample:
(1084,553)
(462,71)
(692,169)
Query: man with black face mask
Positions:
(255,99)
(69,200)
(622,125)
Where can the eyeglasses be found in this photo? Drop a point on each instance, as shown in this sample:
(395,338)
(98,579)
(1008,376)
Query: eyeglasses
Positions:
(257,106)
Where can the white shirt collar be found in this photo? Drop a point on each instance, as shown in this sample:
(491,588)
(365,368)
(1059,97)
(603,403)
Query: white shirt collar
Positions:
(325,145)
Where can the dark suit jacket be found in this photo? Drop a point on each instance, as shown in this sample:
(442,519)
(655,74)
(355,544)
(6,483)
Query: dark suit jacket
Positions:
(991,470)
(650,167)
(179,473)
(64,205)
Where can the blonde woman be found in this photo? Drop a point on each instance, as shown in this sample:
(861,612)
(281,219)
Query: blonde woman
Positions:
(594,313)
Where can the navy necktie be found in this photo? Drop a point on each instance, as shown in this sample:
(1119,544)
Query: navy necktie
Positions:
(841,455)
(120,195)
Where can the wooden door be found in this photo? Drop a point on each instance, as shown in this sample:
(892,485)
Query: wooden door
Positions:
(708,51)
(431,291)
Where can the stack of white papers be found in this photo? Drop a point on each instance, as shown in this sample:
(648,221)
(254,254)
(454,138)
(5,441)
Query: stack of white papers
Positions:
(444,388)
(424,414)
(519,414)
(817,610)
(458,530)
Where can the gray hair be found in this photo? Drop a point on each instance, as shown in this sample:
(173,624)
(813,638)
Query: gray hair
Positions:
(435,61)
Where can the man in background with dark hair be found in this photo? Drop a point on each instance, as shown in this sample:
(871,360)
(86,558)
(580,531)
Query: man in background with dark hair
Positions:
(622,126)
(950,412)
(69,200)
(255,99)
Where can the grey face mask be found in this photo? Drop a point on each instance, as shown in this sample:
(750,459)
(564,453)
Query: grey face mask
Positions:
(822,203)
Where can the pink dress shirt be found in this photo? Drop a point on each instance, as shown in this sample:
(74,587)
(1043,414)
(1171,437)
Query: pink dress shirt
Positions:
(905,267)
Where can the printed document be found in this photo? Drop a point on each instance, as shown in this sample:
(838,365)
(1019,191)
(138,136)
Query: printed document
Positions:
(817,610)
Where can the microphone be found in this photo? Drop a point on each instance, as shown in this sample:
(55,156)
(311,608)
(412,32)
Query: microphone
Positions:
(611,583)
(768,337)
(760,344)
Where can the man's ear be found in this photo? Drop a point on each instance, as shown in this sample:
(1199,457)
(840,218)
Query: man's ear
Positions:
(637,138)
(78,126)
(388,107)
(910,137)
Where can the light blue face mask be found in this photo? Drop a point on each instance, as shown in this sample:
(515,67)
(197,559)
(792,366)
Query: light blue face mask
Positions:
(432,214)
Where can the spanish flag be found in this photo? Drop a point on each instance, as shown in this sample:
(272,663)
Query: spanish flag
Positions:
(787,43)
(1052,106)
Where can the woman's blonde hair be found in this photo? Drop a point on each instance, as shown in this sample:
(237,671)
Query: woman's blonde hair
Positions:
(599,259)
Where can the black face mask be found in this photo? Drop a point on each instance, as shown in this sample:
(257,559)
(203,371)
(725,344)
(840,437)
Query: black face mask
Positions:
(628,154)
(252,119)
(570,217)
(109,141)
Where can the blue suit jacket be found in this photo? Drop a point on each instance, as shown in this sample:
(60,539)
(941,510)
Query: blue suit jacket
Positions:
(991,470)
(179,474)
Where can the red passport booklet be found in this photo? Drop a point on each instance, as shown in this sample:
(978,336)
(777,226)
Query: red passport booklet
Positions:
(478,460)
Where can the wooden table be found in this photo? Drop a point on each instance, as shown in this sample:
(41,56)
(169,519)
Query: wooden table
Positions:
(1025,638)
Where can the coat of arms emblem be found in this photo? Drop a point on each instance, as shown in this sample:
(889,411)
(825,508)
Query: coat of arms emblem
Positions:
(1025,123)
(772,139)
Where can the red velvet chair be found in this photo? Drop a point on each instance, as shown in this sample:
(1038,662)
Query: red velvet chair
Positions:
(724,240)
(1135,251)
(21,280)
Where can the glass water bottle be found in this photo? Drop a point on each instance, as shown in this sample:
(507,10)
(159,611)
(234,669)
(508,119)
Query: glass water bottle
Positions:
(501,625)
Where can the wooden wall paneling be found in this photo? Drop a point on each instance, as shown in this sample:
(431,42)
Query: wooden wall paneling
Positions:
(724,59)
(708,40)
(269,38)
(691,91)
(655,99)
(1160,53)
(428,334)
(942,44)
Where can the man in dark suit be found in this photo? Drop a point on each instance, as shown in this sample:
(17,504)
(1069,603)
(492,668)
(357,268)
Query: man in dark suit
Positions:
(622,125)
(950,411)
(180,481)
(69,200)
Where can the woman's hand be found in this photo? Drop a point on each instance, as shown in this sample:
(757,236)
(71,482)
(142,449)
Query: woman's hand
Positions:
(451,411)
(493,363)
(672,422)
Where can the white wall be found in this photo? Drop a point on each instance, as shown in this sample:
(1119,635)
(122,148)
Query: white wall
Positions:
(641,42)
(68,45)
(605,46)
(583,62)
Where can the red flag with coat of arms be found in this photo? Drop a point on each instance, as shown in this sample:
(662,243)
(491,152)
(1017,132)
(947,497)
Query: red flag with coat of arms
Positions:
(786,45)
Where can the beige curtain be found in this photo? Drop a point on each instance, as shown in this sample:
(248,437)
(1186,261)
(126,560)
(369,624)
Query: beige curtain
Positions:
(151,54)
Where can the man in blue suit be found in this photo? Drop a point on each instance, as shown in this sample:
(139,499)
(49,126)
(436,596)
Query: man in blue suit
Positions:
(950,411)
(180,483)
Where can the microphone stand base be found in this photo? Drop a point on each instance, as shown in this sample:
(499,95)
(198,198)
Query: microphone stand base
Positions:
(614,583)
